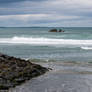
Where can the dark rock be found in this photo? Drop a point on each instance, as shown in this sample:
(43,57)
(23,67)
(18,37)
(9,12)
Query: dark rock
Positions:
(60,30)
(53,30)
(14,71)
(3,87)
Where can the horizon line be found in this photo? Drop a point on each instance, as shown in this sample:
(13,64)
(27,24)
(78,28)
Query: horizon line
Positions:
(36,27)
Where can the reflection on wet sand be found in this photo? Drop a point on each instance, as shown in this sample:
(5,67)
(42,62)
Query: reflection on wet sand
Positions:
(65,77)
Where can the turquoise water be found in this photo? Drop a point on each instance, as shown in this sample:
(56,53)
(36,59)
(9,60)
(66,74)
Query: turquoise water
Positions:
(74,44)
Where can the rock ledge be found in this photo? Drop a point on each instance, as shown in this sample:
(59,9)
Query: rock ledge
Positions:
(14,71)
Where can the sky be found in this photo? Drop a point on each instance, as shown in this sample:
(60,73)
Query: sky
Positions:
(46,13)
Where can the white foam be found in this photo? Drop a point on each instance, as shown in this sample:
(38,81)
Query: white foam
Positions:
(86,48)
(45,41)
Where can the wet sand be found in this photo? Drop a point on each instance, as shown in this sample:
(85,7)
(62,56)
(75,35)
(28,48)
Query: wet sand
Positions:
(65,77)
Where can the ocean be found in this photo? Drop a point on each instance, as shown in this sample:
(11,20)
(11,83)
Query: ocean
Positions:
(68,54)
(74,44)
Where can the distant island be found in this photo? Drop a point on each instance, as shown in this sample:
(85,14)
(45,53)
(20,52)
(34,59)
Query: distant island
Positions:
(55,30)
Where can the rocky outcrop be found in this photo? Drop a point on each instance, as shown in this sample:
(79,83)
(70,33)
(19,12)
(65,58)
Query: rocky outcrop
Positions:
(14,71)
(55,30)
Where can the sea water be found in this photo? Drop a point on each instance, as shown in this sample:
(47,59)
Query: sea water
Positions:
(74,44)
(64,52)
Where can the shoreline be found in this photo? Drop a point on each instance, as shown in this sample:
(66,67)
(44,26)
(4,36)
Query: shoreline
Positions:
(15,71)
(64,77)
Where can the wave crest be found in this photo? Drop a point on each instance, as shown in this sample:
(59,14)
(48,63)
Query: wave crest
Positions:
(86,48)
(45,41)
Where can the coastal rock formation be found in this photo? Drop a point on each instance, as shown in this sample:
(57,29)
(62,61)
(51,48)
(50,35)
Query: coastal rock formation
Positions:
(55,30)
(14,71)
(60,30)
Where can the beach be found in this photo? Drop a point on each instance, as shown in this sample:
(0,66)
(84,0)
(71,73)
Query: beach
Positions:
(45,46)
(65,77)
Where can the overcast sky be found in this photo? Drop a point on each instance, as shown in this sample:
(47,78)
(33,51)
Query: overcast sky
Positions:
(63,13)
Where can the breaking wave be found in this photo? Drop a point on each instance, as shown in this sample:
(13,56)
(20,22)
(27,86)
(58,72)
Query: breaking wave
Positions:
(86,48)
(45,41)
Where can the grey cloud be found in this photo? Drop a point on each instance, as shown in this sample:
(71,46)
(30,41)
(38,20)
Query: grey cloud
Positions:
(11,1)
(74,12)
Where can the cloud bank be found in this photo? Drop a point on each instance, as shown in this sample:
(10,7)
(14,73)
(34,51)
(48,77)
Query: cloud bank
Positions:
(67,13)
